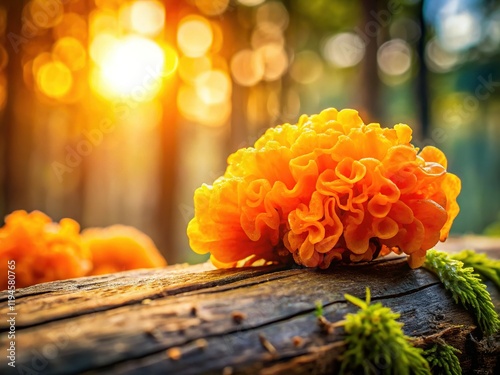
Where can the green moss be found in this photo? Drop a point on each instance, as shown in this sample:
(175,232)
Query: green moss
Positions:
(486,267)
(466,287)
(319,309)
(376,344)
(442,359)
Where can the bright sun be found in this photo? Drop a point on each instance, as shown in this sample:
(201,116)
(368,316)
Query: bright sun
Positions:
(133,66)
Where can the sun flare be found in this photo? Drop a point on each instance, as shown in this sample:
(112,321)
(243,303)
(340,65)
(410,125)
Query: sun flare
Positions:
(132,66)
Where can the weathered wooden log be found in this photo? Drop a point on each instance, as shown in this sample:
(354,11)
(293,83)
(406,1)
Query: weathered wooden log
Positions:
(199,320)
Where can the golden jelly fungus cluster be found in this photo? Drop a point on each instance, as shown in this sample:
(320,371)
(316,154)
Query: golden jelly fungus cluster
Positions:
(43,250)
(119,248)
(328,188)
(46,251)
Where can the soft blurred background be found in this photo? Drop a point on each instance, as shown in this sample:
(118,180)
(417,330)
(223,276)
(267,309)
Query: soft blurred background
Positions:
(115,111)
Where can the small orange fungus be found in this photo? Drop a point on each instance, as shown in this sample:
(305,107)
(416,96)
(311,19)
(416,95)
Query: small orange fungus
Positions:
(120,248)
(42,250)
(36,250)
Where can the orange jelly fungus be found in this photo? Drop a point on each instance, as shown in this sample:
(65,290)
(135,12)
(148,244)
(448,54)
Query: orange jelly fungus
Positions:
(119,248)
(42,250)
(328,188)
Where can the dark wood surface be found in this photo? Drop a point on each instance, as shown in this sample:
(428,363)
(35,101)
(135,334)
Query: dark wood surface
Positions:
(199,320)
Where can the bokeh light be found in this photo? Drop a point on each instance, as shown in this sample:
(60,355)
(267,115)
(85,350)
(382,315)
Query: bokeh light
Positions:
(267,33)
(190,68)
(171,60)
(72,25)
(45,14)
(275,61)
(405,28)
(247,67)
(54,79)
(273,13)
(103,22)
(344,50)
(147,17)
(100,47)
(307,67)
(212,7)
(133,65)
(213,87)
(251,3)
(194,36)
(193,108)
(438,59)
(217,37)
(71,52)
(459,31)
(394,57)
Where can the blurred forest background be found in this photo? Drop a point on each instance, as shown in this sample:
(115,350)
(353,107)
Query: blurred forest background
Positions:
(115,111)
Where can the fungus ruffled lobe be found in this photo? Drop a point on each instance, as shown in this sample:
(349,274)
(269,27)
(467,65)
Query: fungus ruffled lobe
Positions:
(120,248)
(42,250)
(325,189)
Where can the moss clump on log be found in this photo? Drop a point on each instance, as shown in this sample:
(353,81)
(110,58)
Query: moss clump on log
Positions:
(486,267)
(466,287)
(442,359)
(375,342)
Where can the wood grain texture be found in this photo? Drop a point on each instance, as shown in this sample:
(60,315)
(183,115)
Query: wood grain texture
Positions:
(181,319)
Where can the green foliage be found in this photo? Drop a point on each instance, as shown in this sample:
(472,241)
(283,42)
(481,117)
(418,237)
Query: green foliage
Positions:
(376,344)
(443,359)
(326,14)
(493,230)
(319,309)
(486,267)
(466,287)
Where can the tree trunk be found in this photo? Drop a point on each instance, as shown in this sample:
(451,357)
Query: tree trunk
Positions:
(199,320)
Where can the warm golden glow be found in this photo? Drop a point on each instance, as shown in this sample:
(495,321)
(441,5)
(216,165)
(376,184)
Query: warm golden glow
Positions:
(265,34)
(275,61)
(217,37)
(133,66)
(73,25)
(171,60)
(194,36)
(45,14)
(247,67)
(193,108)
(213,87)
(103,22)
(190,68)
(100,47)
(147,17)
(212,7)
(40,61)
(54,79)
(71,52)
